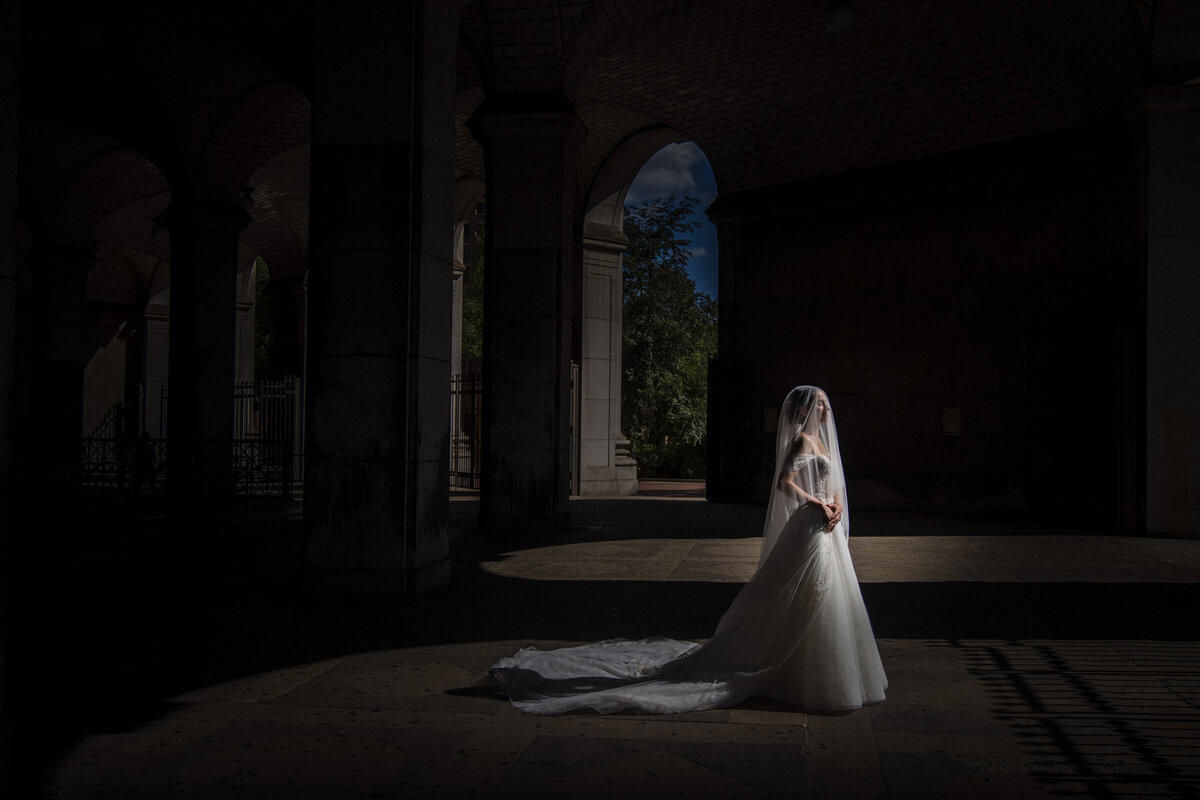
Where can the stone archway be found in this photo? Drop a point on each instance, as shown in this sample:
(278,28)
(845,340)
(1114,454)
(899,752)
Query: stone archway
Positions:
(605,464)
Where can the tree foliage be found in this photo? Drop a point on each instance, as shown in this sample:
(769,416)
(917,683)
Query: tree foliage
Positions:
(472,300)
(669,331)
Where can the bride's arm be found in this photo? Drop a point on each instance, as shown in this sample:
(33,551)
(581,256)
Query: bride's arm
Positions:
(838,507)
(787,483)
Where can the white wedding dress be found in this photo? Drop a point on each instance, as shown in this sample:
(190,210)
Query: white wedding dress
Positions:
(798,631)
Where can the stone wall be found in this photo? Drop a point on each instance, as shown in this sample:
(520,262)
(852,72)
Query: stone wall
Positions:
(970,317)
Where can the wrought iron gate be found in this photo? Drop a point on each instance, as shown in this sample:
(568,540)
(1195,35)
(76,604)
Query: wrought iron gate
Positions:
(267,431)
(466,428)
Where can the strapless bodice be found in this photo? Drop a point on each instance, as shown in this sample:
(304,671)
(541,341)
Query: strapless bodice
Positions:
(814,468)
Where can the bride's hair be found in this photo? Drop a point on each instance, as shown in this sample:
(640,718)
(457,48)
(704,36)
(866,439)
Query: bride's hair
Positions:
(796,406)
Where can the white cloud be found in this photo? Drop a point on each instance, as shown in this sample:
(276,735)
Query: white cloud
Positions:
(669,171)
(698,252)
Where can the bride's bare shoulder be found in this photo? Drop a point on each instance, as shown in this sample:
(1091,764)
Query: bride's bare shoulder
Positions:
(807,443)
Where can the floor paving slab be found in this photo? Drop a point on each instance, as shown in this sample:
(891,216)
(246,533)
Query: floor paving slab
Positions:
(1024,662)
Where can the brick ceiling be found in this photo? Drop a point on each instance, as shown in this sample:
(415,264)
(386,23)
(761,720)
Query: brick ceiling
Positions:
(771,96)
(125,100)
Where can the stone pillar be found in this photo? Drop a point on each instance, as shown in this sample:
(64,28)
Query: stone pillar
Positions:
(60,330)
(376,493)
(204,256)
(284,301)
(1172,219)
(135,367)
(530,242)
(243,336)
(605,465)
(733,461)
(156,368)
(9,96)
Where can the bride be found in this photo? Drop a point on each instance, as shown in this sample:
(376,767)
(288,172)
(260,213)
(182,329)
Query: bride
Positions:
(798,631)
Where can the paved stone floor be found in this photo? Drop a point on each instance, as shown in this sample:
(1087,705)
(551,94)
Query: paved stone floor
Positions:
(175,661)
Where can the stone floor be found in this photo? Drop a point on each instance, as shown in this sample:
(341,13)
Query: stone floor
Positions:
(183,662)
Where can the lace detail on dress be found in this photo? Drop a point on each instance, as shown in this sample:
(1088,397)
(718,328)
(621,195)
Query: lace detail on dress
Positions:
(810,595)
(821,465)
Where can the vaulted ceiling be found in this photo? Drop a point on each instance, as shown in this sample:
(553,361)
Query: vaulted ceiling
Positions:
(121,100)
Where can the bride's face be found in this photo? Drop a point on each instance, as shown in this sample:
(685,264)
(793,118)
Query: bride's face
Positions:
(821,407)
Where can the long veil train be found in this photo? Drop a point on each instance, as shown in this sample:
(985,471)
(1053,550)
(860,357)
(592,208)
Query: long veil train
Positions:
(798,632)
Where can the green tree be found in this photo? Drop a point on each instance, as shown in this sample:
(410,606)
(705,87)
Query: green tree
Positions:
(669,331)
(472,301)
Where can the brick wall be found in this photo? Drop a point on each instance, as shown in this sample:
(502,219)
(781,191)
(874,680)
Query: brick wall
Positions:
(996,282)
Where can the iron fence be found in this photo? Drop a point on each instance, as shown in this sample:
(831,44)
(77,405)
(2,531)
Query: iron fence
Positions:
(466,427)
(268,427)
(249,468)
(113,464)
(263,457)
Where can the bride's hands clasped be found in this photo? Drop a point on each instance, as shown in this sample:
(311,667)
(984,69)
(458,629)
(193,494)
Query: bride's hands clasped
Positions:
(833,514)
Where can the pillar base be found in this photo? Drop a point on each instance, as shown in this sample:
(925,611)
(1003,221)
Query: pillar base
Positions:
(627,486)
(626,468)
(345,583)
(505,525)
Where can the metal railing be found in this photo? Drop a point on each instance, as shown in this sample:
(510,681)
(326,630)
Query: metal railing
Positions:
(115,465)
(263,457)
(466,428)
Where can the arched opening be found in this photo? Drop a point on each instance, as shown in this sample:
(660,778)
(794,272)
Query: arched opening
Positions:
(682,169)
(277,193)
(466,331)
(669,330)
(648,165)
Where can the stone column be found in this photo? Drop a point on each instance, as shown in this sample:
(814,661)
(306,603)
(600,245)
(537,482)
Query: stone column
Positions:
(132,386)
(734,461)
(1172,219)
(60,329)
(284,301)
(243,336)
(9,96)
(605,466)
(204,256)
(376,493)
(530,242)
(155,367)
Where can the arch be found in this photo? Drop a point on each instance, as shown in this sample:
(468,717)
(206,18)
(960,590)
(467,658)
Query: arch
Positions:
(272,116)
(605,201)
(599,25)
(469,190)
(108,204)
(278,230)
(108,181)
(473,66)
(606,465)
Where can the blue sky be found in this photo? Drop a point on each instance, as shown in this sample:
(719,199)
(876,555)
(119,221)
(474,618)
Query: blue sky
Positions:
(683,169)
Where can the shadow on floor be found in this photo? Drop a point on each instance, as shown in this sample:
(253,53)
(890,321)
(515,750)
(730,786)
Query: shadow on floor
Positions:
(110,620)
